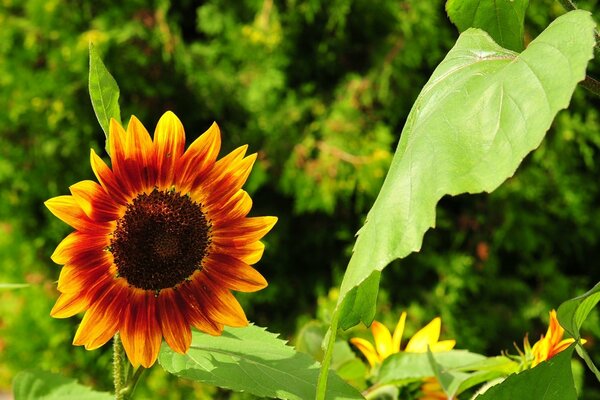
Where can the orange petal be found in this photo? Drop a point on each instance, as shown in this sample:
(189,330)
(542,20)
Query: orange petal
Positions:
(75,277)
(94,201)
(116,143)
(233,273)
(198,159)
(238,206)
(67,209)
(175,328)
(69,304)
(244,231)
(219,305)
(223,183)
(194,312)
(141,333)
(79,242)
(140,160)
(367,349)
(169,143)
(116,189)
(426,336)
(102,320)
(250,253)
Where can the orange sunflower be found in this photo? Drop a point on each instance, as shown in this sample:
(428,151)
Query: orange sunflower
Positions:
(160,243)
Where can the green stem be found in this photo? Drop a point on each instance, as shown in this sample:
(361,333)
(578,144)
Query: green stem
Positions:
(125,380)
(324,373)
(118,374)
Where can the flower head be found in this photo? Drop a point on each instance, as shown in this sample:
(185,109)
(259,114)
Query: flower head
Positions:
(160,242)
(550,344)
(387,344)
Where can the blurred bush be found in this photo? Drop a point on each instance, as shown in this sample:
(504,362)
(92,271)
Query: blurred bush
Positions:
(320,89)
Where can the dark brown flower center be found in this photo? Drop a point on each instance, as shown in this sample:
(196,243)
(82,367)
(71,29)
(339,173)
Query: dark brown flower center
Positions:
(161,240)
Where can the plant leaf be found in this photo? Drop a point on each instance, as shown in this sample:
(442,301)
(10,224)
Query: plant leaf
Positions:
(104,93)
(42,385)
(482,111)
(252,360)
(409,366)
(571,315)
(501,19)
(550,380)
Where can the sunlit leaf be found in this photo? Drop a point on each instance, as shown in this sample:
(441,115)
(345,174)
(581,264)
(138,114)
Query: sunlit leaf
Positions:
(409,366)
(549,380)
(104,93)
(502,19)
(255,361)
(482,111)
(41,385)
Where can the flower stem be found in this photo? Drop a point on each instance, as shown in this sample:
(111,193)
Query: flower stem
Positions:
(324,373)
(125,379)
(118,375)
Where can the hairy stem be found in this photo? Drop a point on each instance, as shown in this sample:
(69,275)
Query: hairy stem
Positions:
(118,375)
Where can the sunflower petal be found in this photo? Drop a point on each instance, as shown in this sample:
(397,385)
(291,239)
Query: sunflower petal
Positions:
(250,253)
(174,326)
(109,181)
(141,333)
(398,332)
(426,336)
(140,156)
(67,210)
(94,201)
(77,243)
(383,339)
(238,206)
(367,349)
(198,159)
(233,273)
(169,143)
(69,304)
(242,232)
(224,183)
(443,345)
(102,320)
(219,305)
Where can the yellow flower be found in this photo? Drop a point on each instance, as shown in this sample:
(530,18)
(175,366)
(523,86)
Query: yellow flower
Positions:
(160,243)
(387,344)
(552,343)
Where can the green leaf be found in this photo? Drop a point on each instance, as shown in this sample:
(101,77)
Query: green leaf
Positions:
(409,366)
(571,315)
(501,19)
(550,380)
(104,93)
(482,111)
(42,385)
(13,285)
(252,360)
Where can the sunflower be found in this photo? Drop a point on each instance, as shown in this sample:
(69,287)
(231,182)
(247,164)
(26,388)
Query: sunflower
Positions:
(552,343)
(160,242)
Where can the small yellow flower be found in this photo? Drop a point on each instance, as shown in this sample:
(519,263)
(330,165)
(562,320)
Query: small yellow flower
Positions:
(387,344)
(552,343)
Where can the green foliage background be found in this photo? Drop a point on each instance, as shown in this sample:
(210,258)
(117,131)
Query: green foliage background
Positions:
(320,89)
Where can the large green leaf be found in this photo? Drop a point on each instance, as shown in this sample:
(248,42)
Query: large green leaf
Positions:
(502,19)
(550,380)
(41,385)
(571,315)
(252,360)
(482,111)
(104,93)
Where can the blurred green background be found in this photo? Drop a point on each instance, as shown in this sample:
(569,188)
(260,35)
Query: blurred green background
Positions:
(321,90)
